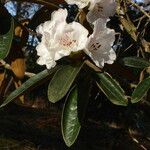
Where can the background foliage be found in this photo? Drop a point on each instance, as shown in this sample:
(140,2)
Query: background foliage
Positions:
(113,101)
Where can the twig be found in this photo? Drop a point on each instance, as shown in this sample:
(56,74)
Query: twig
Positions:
(91,65)
(128,47)
(80,10)
(136,140)
(29,74)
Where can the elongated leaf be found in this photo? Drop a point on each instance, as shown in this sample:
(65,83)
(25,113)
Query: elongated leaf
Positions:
(29,83)
(111,89)
(70,123)
(140,90)
(136,62)
(84,92)
(6,41)
(62,81)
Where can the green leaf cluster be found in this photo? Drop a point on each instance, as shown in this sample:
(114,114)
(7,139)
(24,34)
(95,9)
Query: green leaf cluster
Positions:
(73,82)
(6,41)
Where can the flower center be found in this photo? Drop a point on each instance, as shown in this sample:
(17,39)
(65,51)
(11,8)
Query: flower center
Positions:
(66,40)
(95,46)
(98,7)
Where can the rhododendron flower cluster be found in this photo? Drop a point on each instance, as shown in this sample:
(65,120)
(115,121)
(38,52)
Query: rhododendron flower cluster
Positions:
(97,8)
(146,1)
(60,38)
(99,44)
(101,9)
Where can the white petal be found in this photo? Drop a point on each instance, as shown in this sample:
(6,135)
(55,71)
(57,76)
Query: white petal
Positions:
(59,38)
(146,1)
(92,3)
(99,26)
(61,53)
(101,9)
(50,64)
(99,44)
(80,35)
(45,56)
(39,29)
(41,49)
(59,15)
(72,37)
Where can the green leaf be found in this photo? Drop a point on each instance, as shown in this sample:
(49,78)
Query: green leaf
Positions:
(70,124)
(6,41)
(29,83)
(111,89)
(140,90)
(84,86)
(136,62)
(62,81)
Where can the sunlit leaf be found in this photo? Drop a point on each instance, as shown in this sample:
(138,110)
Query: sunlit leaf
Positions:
(129,27)
(70,123)
(136,62)
(2,76)
(140,90)
(29,83)
(62,81)
(3,83)
(111,89)
(6,41)
(18,67)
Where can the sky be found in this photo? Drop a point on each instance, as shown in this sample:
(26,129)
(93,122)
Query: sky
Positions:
(11,8)
(12,5)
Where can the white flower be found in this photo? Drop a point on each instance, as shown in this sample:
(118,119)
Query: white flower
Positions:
(146,1)
(99,44)
(101,9)
(59,38)
(79,3)
(146,5)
